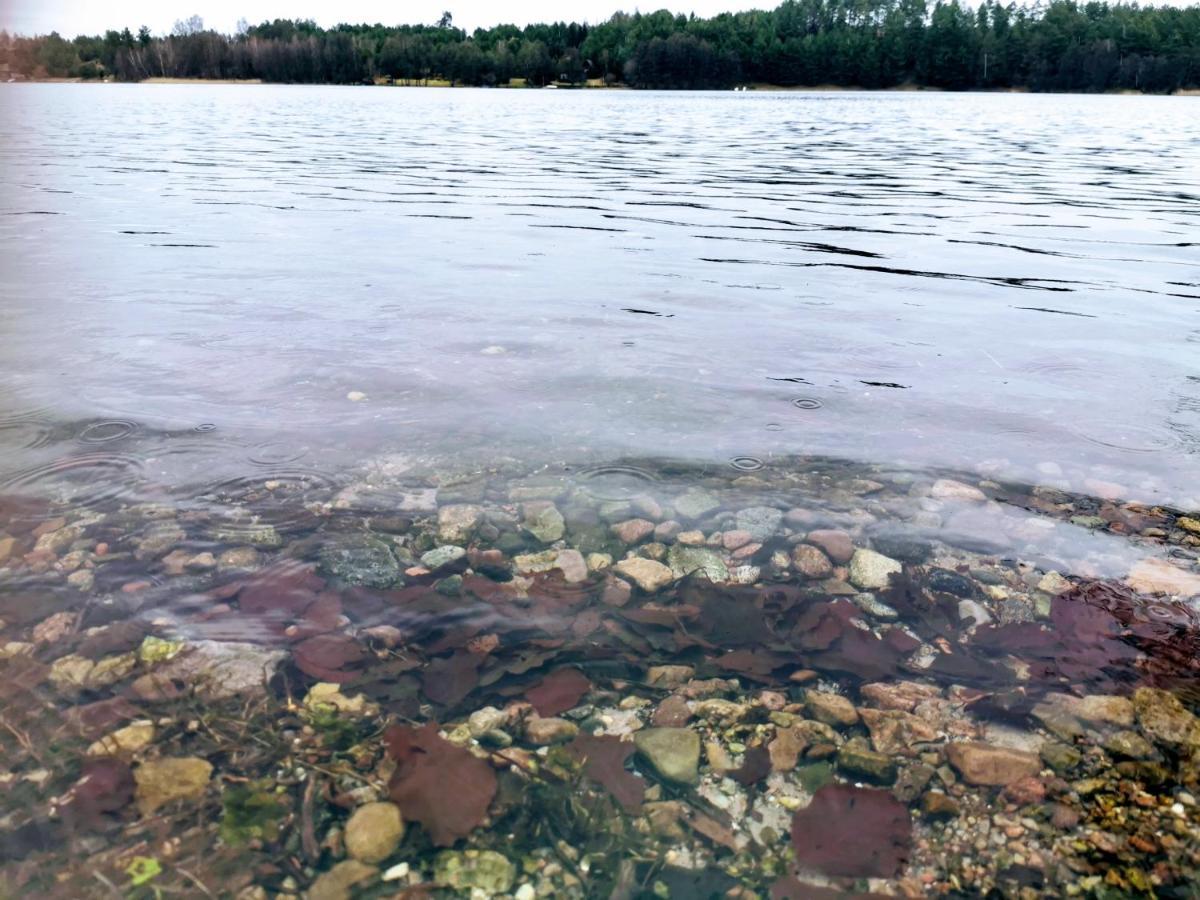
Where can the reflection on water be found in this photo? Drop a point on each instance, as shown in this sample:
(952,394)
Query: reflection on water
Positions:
(329,414)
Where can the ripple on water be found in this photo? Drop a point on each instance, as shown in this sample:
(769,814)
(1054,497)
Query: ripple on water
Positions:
(1129,437)
(87,480)
(277,497)
(106,431)
(807,403)
(24,432)
(616,482)
(747,463)
(276,453)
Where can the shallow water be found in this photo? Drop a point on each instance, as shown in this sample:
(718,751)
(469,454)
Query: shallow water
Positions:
(263,345)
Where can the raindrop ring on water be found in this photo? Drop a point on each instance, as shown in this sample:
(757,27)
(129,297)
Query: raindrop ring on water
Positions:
(103,432)
(205,428)
(747,463)
(807,403)
(774,426)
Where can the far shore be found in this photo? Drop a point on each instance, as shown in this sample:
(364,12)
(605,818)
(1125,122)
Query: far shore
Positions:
(517,84)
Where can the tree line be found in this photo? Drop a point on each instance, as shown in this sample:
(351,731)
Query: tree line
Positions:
(1060,46)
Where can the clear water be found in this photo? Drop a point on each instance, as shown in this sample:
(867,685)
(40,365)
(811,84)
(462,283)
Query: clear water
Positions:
(324,311)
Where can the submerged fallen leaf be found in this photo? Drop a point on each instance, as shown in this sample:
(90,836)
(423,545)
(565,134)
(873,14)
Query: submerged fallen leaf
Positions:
(853,832)
(439,785)
(604,760)
(558,692)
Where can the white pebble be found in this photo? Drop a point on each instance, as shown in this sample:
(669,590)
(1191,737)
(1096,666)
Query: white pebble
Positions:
(356,396)
(396,872)
(525,892)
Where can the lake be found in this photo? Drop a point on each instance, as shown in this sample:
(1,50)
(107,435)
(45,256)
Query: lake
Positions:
(832,432)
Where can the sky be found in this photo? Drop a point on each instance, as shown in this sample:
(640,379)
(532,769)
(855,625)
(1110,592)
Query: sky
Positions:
(72,17)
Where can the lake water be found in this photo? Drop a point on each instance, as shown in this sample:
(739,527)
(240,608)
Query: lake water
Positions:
(334,329)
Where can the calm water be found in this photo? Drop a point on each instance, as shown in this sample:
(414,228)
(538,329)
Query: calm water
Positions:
(381,387)
(981,282)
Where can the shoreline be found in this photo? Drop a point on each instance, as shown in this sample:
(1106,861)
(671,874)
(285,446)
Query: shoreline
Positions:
(759,87)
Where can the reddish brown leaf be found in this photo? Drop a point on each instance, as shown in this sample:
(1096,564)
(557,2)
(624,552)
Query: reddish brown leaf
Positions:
(328,657)
(755,767)
(448,680)
(105,785)
(853,832)
(603,760)
(558,692)
(441,786)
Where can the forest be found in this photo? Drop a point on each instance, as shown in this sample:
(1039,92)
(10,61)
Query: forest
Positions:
(1057,46)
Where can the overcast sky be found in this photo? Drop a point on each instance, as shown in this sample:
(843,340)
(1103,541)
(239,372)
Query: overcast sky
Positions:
(71,17)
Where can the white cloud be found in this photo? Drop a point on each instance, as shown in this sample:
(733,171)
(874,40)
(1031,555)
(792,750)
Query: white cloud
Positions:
(71,17)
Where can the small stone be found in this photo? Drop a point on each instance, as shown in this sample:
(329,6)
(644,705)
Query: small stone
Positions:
(936,805)
(598,562)
(457,522)
(373,832)
(202,562)
(895,732)
(443,556)
(338,882)
(984,764)
(487,719)
(695,504)
(974,611)
(1129,745)
(163,781)
(1163,718)
(572,565)
(649,575)
(744,574)
(785,750)
(238,558)
(901,695)
(1157,576)
(83,580)
(544,521)
(125,741)
(326,696)
(1025,791)
(870,571)
(633,531)
(732,540)
(356,396)
(69,673)
(1054,584)
(811,562)
(686,560)
(760,522)
(672,753)
(669,676)
(53,629)
(542,732)
(474,870)
(158,542)
(57,542)
(7,545)
(838,545)
(832,709)
(722,712)
(673,712)
(1187,523)
(949,489)
(665,532)
(867,765)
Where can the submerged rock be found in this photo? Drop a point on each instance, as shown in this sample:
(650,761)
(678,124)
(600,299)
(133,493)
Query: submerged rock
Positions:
(475,870)
(338,882)
(985,764)
(457,522)
(1164,719)
(361,561)
(162,781)
(649,575)
(673,753)
(686,560)
(217,670)
(871,571)
(760,522)
(696,504)
(374,831)
(544,522)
